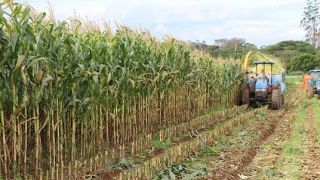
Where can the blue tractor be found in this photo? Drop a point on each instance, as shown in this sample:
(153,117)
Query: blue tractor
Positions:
(314,83)
(264,88)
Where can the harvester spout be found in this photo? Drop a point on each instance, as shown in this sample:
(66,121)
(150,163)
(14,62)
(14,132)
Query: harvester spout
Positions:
(246,60)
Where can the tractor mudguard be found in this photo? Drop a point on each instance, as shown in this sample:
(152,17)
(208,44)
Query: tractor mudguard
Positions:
(283,87)
(251,83)
(318,85)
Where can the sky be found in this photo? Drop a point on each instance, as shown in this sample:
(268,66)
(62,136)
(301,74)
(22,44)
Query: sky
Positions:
(259,22)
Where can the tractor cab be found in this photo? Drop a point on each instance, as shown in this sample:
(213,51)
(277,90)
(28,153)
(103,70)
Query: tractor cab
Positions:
(263,81)
(314,83)
(264,88)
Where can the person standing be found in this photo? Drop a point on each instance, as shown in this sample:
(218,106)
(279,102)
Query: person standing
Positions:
(306,78)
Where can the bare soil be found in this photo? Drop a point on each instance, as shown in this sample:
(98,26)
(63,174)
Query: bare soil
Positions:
(237,160)
(311,164)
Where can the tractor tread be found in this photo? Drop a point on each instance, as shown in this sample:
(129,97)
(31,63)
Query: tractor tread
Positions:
(276,101)
(245,96)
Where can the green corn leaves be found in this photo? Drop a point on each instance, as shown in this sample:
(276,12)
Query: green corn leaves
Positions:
(61,70)
(19,61)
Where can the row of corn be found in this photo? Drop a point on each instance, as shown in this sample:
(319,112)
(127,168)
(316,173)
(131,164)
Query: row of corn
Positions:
(73,89)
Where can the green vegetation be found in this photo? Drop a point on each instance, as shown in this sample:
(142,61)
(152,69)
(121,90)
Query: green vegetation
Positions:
(293,150)
(78,98)
(161,144)
(278,67)
(316,109)
(303,62)
(181,171)
(293,79)
(234,48)
(213,149)
(295,55)
(214,155)
(70,91)
(286,50)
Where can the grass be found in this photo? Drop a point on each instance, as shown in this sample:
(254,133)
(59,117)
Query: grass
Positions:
(293,79)
(293,149)
(213,149)
(212,110)
(161,144)
(316,109)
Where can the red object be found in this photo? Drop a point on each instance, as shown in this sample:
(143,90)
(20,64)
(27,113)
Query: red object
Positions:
(306,78)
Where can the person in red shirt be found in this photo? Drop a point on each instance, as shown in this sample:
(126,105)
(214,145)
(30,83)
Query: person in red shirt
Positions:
(306,78)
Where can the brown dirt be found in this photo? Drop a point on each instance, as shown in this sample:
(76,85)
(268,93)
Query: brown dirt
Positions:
(270,157)
(110,174)
(158,151)
(270,154)
(238,160)
(311,164)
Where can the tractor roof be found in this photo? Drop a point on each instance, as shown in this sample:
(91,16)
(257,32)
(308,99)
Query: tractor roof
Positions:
(263,62)
(315,70)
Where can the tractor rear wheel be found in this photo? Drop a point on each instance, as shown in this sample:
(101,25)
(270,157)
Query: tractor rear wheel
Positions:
(282,99)
(245,96)
(276,99)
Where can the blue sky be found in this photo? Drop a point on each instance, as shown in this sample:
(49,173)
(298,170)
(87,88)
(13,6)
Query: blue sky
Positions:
(260,22)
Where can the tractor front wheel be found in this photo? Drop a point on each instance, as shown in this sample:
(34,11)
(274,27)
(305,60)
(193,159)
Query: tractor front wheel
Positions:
(276,99)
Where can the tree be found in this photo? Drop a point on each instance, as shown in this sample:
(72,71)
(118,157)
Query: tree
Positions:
(310,22)
(303,62)
(250,47)
(227,48)
(233,43)
(286,50)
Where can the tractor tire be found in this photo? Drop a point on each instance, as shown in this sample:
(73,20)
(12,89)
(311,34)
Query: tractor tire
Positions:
(282,99)
(238,99)
(309,93)
(276,99)
(245,96)
(252,104)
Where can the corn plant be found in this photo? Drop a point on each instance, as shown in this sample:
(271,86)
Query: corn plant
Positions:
(70,91)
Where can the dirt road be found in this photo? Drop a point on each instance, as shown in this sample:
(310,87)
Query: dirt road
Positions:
(292,152)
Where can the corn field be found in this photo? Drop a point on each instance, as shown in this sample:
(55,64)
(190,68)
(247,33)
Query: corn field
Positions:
(72,90)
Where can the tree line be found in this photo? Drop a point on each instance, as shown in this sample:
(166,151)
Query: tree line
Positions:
(235,48)
(296,55)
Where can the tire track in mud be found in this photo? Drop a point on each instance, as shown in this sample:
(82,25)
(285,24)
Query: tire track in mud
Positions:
(280,127)
(282,154)
(234,159)
(270,152)
(240,160)
(311,164)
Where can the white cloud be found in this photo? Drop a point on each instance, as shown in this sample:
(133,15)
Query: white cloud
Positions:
(261,22)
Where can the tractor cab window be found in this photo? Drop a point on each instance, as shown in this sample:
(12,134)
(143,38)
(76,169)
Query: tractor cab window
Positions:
(262,79)
(315,75)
